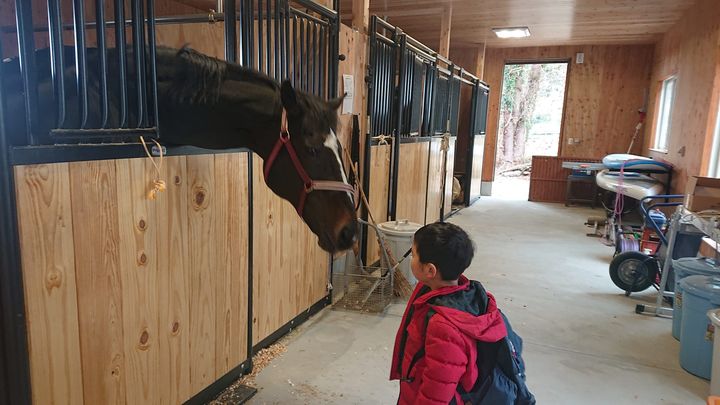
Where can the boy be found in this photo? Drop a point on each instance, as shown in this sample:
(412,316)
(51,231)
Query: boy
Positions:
(454,346)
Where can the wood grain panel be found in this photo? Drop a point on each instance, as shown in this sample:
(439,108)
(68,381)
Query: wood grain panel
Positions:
(551,22)
(691,52)
(203,269)
(97,238)
(379,190)
(548,179)
(287,277)
(435,176)
(206,38)
(449,166)
(231,236)
(412,181)
(46,237)
(477,166)
(173,284)
(139,263)
(603,96)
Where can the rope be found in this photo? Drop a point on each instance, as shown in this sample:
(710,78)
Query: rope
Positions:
(382,139)
(158,185)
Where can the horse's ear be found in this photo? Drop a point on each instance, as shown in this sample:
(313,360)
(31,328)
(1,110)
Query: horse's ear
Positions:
(336,102)
(288,97)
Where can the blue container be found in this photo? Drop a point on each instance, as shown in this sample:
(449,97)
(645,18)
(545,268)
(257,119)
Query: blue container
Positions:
(684,267)
(655,216)
(701,294)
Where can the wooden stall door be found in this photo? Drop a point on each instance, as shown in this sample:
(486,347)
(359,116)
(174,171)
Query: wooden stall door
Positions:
(412,181)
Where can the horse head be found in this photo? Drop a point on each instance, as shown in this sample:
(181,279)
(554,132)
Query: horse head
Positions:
(313,180)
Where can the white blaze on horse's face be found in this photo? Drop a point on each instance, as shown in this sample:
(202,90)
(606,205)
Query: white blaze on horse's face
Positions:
(331,142)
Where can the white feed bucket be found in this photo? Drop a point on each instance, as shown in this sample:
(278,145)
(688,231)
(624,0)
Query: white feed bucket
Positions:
(399,236)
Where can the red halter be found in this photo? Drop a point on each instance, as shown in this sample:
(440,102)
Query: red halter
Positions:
(310,185)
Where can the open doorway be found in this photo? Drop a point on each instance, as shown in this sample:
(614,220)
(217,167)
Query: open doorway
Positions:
(531,112)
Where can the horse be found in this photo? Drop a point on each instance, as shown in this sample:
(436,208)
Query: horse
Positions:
(213,104)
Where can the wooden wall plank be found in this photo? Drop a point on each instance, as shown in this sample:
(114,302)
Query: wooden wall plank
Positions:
(46,237)
(434,181)
(603,96)
(691,52)
(477,166)
(139,263)
(449,166)
(287,279)
(173,284)
(379,190)
(231,233)
(97,238)
(206,38)
(203,269)
(412,183)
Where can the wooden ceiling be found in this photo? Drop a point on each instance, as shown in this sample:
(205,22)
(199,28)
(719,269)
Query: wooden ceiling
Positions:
(551,22)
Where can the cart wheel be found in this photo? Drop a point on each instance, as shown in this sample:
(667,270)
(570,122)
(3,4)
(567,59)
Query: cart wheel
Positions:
(633,271)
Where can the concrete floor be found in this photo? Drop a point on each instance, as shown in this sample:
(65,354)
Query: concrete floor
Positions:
(583,342)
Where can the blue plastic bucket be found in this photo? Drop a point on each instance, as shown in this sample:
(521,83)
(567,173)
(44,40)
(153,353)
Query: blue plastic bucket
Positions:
(701,294)
(684,267)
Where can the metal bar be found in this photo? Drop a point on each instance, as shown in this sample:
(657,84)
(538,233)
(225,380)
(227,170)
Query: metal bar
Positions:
(251,33)
(137,29)
(324,68)
(301,62)
(122,61)
(276,29)
(313,59)
(261,60)
(153,65)
(102,60)
(334,50)
(56,58)
(384,24)
(296,65)
(231,54)
(268,36)
(12,302)
(395,159)
(309,65)
(80,60)
(318,8)
(306,16)
(286,52)
(250,250)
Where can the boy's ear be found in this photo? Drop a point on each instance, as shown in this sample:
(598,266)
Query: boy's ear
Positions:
(431,270)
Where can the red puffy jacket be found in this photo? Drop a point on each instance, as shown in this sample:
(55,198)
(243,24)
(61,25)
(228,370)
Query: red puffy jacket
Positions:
(431,360)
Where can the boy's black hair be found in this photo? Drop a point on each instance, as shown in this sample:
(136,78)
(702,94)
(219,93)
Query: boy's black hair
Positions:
(445,245)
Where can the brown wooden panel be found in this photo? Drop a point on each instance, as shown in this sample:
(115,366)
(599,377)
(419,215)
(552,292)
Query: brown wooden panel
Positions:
(378,198)
(206,38)
(435,176)
(46,237)
(548,179)
(231,233)
(412,181)
(203,268)
(477,166)
(449,166)
(139,263)
(603,96)
(97,238)
(691,52)
(287,277)
(173,284)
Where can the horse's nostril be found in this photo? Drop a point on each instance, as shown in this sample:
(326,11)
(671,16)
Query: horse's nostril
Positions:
(347,235)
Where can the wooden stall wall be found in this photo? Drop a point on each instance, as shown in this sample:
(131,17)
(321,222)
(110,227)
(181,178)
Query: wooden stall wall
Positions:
(691,52)
(449,170)
(603,96)
(435,177)
(477,167)
(290,271)
(131,300)
(548,180)
(413,181)
(379,191)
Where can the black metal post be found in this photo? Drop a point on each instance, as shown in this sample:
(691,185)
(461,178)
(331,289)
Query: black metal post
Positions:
(102,60)
(276,29)
(56,58)
(138,52)
(395,159)
(26,56)
(153,65)
(230,31)
(122,59)
(268,36)
(14,348)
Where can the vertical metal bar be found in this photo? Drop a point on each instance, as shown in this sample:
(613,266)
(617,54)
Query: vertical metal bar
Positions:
(324,78)
(230,31)
(286,52)
(251,33)
(308,57)
(268,35)
(56,58)
(138,50)
(12,302)
(80,59)
(396,142)
(250,250)
(276,29)
(315,60)
(334,51)
(471,143)
(153,66)
(300,63)
(261,60)
(102,60)
(295,68)
(122,62)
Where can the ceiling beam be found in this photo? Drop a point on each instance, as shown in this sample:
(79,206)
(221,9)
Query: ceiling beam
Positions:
(445,31)
(360,14)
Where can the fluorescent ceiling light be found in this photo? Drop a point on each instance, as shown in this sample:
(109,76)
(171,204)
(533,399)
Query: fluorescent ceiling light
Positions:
(512,32)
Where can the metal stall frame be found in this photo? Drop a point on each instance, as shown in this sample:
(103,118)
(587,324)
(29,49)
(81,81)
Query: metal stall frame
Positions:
(15,384)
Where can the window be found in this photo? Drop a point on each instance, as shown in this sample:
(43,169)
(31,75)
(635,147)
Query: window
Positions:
(662,130)
(714,169)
